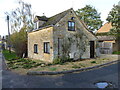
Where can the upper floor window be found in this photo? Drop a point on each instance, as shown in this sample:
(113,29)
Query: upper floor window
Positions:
(71,26)
(46,47)
(35,48)
(36,25)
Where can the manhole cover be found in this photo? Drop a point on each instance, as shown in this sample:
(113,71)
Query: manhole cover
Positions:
(103,84)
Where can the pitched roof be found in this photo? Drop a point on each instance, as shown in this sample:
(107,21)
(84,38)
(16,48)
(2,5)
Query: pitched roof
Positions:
(105,28)
(54,19)
(43,18)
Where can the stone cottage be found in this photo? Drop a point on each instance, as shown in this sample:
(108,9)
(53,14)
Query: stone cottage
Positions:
(62,35)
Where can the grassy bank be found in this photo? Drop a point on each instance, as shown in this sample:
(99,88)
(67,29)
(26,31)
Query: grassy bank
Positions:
(117,52)
(23,65)
(14,62)
(9,56)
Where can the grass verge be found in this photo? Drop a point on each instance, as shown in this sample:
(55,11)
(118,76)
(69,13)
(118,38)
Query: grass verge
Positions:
(117,52)
(22,65)
(14,62)
(9,56)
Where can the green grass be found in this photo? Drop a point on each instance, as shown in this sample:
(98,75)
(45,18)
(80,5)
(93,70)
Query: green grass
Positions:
(52,69)
(76,66)
(9,56)
(117,52)
(15,62)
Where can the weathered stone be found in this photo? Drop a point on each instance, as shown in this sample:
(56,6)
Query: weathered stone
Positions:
(63,43)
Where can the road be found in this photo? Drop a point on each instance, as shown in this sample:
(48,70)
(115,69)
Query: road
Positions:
(73,80)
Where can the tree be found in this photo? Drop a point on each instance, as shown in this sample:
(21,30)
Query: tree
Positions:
(114,18)
(21,17)
(90,16)
(21,22)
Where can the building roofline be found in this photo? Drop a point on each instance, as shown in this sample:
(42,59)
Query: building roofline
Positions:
(35,30)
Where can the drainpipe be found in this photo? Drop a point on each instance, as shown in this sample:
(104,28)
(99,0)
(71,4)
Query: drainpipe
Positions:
(58,47)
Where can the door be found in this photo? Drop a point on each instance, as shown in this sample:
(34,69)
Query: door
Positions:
(92,49)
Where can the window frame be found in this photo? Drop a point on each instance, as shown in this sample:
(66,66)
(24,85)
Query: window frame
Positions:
(70,26)
(36,48)
(47,47)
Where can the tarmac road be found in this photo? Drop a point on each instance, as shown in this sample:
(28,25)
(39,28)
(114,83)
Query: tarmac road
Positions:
(72,80)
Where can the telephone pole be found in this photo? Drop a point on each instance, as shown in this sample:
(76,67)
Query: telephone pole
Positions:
(8,35)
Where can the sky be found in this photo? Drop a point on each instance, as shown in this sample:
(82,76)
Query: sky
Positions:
(52,7)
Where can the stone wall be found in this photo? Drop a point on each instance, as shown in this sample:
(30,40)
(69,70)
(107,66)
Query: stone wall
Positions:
(71,39)
(39,37)
(71,43)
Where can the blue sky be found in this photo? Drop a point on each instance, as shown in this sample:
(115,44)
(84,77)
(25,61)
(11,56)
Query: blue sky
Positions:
(52,7)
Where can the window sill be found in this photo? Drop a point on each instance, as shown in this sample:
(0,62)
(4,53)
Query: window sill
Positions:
(35,53)
(71,30)
(46,53)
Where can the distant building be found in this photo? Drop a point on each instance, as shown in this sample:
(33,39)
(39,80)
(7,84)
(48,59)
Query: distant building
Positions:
(107,43)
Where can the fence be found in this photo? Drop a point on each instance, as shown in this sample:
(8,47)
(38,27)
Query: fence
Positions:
(106,47)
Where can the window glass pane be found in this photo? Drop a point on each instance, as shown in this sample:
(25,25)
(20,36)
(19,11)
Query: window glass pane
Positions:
(35,48)
(48,46)
(45,47)
(71,25)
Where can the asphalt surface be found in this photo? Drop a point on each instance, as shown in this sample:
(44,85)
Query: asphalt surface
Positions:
(84,79)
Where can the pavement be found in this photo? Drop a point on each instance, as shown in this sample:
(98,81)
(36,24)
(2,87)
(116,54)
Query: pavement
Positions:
(72,80)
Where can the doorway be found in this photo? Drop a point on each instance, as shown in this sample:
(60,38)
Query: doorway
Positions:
(92,49)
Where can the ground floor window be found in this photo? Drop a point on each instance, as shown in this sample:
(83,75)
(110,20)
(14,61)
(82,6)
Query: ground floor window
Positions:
(35,48)
(46,47)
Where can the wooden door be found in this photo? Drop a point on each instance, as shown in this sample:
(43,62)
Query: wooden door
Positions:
(92,49)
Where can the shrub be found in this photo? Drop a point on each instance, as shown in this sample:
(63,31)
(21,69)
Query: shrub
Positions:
(27,66)
(49,64)
(57,61)
(93,61)
(61,60)
(116,52)
(36,64)
(14,67)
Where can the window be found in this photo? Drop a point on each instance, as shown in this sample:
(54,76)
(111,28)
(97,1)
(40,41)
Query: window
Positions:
(36,25)
(71,26)
(35,48)
(46,47)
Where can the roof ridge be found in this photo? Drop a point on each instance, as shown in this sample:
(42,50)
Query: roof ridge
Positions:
(56,18)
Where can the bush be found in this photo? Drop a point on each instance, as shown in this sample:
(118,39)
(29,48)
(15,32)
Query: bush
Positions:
(27,66)
(116,52)
(14,67)
(61,60)
(93,61)
(57,61)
